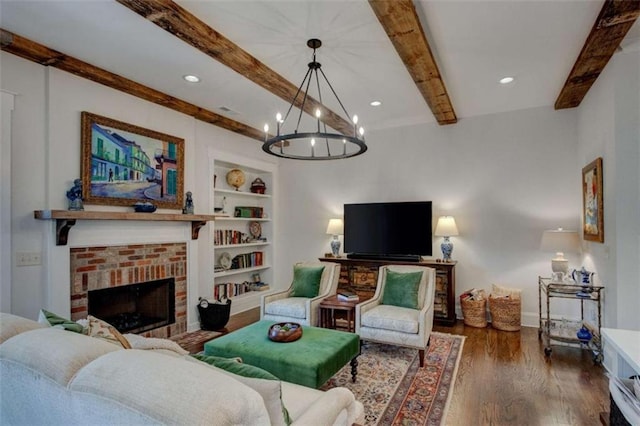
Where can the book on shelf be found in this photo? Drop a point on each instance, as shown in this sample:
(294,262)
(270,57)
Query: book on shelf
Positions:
(259,287)
(226,290)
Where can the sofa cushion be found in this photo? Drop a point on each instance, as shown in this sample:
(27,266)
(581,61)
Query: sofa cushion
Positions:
(170,390)
(49,318)
(306,280)
(271,393)
(105,331)
(293,307)
(53,352)
(401,289)
(11,325)
(154,343)
(257,379)
(394,318)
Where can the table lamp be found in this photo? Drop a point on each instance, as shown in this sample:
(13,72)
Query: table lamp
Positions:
(560,241)
(446,228)
(335,228)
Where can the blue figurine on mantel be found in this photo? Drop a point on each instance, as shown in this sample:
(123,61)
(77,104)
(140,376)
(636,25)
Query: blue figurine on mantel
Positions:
(188,204)
(74,195)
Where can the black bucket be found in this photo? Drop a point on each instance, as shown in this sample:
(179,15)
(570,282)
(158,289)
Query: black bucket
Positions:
(213,316)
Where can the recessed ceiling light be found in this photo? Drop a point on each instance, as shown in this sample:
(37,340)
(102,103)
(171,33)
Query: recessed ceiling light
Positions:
(191,78)
(375,103)
(506,80)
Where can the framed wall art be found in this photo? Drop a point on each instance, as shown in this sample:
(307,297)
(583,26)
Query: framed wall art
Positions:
(123,164)
(592,211)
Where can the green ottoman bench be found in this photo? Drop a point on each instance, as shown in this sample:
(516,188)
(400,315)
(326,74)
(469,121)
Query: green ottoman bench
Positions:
(309,361)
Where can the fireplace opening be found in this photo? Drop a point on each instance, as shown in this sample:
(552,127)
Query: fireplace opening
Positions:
(135,308)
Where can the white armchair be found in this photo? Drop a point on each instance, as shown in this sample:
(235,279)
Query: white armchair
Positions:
(282,307)
(397,325)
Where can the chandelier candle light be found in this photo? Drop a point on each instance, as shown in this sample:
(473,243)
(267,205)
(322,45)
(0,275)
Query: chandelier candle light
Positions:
(335,228)
(317,144)
(560,241)
(446,228)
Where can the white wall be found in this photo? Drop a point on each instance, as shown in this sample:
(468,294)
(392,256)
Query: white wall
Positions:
(7,102)
(505,178)
(609,127)
(46,158)
(27,81)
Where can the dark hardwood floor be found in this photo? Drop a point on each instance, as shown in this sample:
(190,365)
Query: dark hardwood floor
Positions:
(505,379)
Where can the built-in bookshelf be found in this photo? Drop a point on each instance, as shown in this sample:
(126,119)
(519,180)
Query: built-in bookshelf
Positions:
(243,249)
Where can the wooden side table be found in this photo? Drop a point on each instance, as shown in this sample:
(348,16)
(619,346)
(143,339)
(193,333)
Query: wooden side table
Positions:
(327,312)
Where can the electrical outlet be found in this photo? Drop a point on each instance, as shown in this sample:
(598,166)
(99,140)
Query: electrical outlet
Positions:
(29,258)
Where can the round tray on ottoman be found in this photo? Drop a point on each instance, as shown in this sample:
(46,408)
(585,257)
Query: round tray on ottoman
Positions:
(285,332)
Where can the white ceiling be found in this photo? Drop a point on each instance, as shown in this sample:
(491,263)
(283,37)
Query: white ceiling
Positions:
(475,42)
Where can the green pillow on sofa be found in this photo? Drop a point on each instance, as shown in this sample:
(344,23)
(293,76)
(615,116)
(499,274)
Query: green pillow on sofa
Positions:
(233,366)
(306,280)
(401,289)
(49,318)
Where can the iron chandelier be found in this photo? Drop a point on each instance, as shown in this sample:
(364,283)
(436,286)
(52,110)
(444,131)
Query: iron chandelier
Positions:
(318,144)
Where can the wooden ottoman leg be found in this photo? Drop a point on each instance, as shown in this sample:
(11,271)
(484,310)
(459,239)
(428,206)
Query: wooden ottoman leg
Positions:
(354,368)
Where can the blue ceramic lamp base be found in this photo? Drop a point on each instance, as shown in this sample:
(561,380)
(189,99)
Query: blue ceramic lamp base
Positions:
(335,246)
(447,248)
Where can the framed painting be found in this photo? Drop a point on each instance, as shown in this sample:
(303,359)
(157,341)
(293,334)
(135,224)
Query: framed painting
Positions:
(592,212)
(123,164)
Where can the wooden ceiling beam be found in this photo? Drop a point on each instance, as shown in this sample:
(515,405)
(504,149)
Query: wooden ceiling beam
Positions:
(401,23)
(43,55)
(614,21)
(181,23)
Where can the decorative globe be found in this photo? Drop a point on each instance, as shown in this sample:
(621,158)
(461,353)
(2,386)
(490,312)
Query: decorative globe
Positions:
(235,178)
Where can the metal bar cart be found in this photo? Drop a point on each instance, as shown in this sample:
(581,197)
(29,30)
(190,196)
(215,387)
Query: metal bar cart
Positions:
(548,290)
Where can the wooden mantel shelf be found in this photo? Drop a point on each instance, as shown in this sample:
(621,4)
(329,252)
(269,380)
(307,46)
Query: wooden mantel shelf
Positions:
(65,219)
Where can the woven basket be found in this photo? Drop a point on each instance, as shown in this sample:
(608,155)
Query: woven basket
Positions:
(505,313)
(474,312)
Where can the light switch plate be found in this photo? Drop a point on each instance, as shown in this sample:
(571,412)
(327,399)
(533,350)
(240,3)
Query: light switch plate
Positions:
(33,258)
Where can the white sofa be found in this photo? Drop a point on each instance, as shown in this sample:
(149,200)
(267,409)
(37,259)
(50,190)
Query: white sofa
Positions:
(57,377)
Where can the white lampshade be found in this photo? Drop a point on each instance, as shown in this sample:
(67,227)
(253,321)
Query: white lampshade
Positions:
(560,241)
(335,227)
(446,227)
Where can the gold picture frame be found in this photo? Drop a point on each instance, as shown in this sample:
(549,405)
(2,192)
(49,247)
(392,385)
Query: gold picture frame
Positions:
(123,164)
(592,205)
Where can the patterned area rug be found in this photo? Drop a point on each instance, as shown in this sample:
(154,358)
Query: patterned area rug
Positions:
(395,390)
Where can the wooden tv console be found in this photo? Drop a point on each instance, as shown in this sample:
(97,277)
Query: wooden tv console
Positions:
(361,275)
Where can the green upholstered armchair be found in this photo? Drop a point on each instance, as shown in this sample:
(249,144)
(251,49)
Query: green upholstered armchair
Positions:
(401,310)
(312,282)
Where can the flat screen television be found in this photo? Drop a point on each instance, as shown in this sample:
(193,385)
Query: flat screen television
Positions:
(399,230)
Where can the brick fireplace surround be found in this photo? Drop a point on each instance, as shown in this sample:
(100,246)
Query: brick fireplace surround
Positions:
(94,268)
